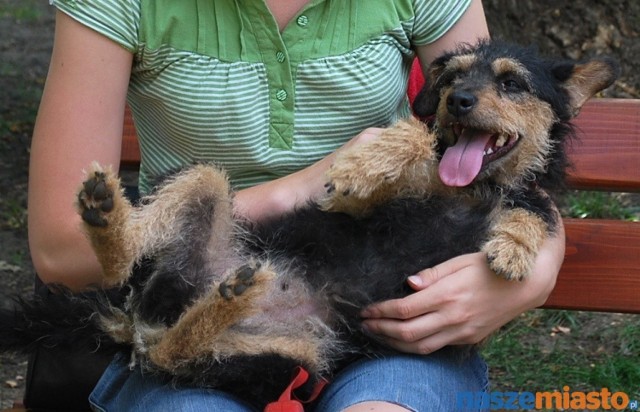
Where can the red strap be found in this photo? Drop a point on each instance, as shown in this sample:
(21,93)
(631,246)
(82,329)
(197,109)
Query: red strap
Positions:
(284,406)
(288,401)
(416,81)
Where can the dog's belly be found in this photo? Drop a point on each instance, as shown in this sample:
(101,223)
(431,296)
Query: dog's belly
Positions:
(353,262)
(289,302)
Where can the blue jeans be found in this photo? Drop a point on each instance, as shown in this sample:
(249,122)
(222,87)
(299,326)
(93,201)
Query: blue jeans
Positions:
(418,383)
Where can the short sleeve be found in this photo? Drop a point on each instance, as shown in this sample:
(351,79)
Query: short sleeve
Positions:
(118,20)
(433,18)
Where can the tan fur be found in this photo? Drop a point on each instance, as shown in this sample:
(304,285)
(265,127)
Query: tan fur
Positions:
(401,162)
(531,119)
(514,241)
(462,62)
(134,232)
(196,336)
(116,260)
(587,79)
(503,66)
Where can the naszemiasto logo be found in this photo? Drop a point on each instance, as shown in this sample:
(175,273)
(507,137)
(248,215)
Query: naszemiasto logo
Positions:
(566,400)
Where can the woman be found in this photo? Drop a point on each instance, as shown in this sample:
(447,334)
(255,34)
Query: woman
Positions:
(271,90)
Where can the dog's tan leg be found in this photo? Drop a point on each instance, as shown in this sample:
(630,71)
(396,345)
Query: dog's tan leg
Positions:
(400,162)
(514,241)
(212,330)
(121,234)
(106,212)
(204,328)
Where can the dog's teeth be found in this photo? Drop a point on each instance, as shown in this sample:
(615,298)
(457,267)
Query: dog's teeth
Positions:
(502,139)
(488,151)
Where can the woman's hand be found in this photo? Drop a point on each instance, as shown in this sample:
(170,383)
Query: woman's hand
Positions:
(461,301)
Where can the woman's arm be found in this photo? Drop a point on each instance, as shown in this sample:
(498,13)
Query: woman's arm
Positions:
(79,121)
(471,27)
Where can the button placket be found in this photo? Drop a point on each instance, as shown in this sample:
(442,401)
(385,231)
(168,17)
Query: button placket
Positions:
(280,79)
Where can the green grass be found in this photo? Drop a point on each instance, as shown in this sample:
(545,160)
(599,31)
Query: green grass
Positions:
(13,214)
(599,205)
(594,352)
(25,12)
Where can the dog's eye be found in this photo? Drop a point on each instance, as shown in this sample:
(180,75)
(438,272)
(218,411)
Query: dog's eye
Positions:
(512,86)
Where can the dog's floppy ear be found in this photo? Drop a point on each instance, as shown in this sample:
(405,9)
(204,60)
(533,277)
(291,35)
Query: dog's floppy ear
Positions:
(426,102)
(582,81)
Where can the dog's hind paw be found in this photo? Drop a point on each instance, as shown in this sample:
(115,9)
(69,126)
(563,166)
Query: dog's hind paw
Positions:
(242,279)
(96,197)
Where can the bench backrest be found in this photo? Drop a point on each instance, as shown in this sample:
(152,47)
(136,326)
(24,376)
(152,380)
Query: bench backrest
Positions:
(601,271)
(602,263)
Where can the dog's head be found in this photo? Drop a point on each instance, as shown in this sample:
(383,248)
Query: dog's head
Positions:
(501,112)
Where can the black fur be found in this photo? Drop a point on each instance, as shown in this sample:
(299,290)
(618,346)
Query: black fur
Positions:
(366,260)
(59,319)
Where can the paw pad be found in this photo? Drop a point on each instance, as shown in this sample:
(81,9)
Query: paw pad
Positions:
(95,200)
(239,282)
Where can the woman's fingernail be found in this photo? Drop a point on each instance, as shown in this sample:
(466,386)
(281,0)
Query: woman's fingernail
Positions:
(367,327)
(415,280)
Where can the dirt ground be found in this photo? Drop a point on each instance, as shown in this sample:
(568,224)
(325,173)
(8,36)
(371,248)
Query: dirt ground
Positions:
(576,29)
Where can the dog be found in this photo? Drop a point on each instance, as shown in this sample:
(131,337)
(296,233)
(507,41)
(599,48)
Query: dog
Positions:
(215,301)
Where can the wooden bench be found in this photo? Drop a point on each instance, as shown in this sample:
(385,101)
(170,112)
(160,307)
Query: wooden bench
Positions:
(601,271)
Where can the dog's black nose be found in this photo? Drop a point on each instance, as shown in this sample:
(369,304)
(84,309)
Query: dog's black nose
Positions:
(460,102)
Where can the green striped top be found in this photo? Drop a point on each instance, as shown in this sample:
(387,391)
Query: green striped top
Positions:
(216,80)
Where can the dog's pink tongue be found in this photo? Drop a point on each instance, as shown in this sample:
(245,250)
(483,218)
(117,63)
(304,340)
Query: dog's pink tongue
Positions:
(461,163)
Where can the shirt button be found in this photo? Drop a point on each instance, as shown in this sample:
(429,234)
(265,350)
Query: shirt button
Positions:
(280,57)
(281,95)
(302,20)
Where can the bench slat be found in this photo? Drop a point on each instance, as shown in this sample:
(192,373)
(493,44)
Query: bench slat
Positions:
(601,271)
(606,155)
(130,152)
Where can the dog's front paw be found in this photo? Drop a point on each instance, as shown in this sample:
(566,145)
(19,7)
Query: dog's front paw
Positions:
(96,197)
(514,243)
(360,180)
(512,262)
(353,176)
(401,161)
